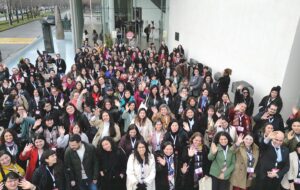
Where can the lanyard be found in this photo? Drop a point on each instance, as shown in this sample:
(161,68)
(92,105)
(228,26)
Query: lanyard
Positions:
(271,120)
(225,153)
(12,152)
(52,176)
(132,143)
(157,135)
(174,139)
(240,119)
(250,157)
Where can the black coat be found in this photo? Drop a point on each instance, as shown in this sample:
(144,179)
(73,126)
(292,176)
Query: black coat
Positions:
(112,164)
(268,159)
(161,178)
(42,178)
(276,121)
(188,178)
(180,141)
(264,103)
(73,164)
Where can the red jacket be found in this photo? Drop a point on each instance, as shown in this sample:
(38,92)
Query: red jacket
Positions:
(33,159)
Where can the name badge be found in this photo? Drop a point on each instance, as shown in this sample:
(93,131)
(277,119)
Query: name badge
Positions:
(297,180)
(240,129)
(37,112)
(198,171)
(250,170)
(55,107)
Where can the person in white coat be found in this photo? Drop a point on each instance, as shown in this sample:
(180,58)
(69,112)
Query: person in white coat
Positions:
(291,180)
(141,168)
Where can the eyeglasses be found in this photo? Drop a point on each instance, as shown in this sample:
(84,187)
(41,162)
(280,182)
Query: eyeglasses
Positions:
(245,92)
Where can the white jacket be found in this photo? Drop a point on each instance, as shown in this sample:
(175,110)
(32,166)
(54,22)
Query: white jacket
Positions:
(293,171)
(134,173)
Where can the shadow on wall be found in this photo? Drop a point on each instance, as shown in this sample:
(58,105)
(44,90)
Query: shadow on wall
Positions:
(290,87)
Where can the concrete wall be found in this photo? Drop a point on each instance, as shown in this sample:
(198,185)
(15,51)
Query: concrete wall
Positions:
(252,37)
(291,87)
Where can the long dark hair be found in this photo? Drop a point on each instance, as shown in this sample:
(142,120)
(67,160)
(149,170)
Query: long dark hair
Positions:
(133,127)
(112,130)
(3,152)
(138,119)
(138,156)
(12,132)
(112,144)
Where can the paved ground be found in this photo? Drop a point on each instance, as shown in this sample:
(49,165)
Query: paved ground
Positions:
(15,39)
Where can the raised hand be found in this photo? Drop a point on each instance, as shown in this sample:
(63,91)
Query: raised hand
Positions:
(214,148)
(184,168)
(61,131)
(28,147)
(161,161)
(24,184)
(239,139)
(290,135)
(191,151)
(186,126)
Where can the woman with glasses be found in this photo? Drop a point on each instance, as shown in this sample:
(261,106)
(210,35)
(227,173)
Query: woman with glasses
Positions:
(141,168)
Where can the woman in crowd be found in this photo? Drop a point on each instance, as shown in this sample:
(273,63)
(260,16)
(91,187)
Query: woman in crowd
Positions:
(63,139)
(223,106)
(291,179)
(223,161)
(72,117)
(168,174)
(207,121)
(128,141)
(50,174)
(164,114)
(33,153)
(144,124)
(222,125)
(128,114)
(177,136)
(112,165)
(10,143)
(141,168)
(273,97)
(12,181)
(106,127)
(247,153)
(266,130)
(195,156)
(8,164)
(157,136)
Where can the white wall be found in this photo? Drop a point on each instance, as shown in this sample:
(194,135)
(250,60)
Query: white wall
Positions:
(252,37)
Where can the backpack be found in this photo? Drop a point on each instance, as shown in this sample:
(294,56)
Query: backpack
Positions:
(146,30)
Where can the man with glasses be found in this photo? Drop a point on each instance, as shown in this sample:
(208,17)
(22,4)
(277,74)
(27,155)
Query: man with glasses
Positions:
(269,116)
(274,161)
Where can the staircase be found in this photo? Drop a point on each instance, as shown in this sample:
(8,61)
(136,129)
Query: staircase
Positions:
(161,4)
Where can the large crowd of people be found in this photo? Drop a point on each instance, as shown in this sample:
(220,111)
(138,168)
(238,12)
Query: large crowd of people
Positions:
(126,118)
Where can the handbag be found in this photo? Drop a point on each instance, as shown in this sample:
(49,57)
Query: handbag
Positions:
(205,183)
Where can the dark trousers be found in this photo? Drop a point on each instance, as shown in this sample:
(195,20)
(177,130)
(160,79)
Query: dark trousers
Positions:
(148,35)
(218,184)
(269,184)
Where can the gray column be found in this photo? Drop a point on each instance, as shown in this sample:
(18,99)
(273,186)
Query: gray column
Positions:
(60,35)
(111,15)
(76,22)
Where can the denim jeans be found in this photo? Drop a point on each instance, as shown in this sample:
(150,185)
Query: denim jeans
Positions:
(86,184)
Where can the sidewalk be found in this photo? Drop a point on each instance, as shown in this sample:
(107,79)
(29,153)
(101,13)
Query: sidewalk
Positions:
(64,47)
